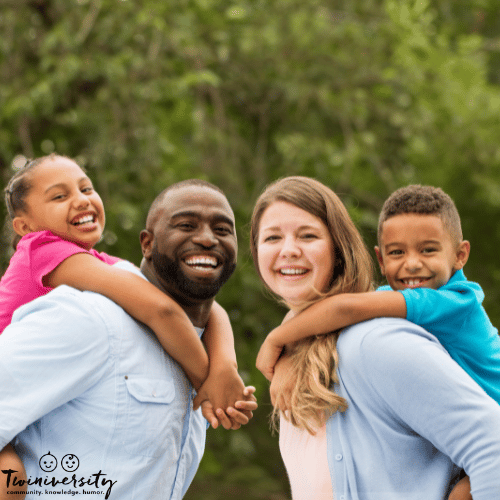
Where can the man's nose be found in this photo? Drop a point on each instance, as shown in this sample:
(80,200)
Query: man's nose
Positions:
(205,237)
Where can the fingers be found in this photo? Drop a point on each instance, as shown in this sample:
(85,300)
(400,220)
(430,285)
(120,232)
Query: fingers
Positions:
(208,412)
(246,405)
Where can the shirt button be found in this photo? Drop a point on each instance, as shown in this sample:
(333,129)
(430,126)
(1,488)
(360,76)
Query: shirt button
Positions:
(153,394)
(338,457)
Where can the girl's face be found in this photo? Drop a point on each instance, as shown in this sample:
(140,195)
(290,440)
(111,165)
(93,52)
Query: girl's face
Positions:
(62,200)
(295,253)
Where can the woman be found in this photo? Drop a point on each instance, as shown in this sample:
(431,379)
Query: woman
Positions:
(397,400)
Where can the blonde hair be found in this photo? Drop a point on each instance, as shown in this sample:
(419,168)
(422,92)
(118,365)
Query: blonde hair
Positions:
(315,359)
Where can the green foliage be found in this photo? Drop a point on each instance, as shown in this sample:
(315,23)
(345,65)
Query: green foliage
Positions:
(365,96)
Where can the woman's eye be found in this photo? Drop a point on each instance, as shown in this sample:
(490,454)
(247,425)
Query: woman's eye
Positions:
(429,250)
(58,197)
(270,238)
(309,236)
(395,252)
(87,189)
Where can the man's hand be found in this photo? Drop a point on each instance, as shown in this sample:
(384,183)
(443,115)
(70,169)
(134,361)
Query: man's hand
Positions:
(223,387)
(234,417)
(282,384)
(268,356)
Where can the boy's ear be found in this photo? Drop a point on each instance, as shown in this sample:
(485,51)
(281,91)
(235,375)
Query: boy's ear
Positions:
(380,260)
(21,225)
(462,256)
(147,239)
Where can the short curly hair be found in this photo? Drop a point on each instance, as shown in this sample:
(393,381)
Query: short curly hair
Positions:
(426,200)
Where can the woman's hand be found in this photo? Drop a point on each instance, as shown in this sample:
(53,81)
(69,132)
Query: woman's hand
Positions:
(281,383)
(269,353)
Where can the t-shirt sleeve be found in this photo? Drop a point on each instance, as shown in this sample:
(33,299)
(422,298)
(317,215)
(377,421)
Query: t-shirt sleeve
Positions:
(47,251)
(442,312)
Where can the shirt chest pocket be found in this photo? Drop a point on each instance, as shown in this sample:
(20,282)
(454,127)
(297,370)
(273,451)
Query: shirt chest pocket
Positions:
(151,413)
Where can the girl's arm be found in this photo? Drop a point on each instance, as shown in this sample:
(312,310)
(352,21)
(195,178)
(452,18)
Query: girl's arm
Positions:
(224,385)
(144,302)
(325,316)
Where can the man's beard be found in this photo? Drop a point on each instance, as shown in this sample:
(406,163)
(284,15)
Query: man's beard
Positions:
(170,271)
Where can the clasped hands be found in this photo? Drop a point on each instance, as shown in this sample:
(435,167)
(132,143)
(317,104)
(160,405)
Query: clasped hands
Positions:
(225,400)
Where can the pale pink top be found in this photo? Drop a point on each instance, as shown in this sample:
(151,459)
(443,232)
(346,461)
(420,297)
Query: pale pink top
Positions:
(36,255)
(306,462)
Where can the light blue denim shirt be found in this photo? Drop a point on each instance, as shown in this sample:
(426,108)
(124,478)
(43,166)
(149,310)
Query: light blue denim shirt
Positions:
(95,402)
(413,413)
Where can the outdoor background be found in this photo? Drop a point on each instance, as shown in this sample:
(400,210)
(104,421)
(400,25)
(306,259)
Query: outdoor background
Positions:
(364,95)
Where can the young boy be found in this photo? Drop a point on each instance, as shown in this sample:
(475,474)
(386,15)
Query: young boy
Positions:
(421,252)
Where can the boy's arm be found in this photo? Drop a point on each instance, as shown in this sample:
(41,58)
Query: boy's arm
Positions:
(325,316)
(144,302)
(224,385)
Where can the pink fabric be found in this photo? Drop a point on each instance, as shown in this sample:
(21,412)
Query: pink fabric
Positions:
(306,462)
(37,255)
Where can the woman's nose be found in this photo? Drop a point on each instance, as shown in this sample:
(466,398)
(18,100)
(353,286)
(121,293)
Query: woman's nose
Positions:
(290,248)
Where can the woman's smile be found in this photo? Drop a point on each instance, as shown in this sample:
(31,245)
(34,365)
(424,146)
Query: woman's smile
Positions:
(295,253)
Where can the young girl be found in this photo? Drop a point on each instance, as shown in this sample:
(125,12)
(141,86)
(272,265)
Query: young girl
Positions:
(58,217)
(308,252)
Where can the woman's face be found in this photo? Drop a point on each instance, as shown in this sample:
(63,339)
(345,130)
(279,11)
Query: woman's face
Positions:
(295,253)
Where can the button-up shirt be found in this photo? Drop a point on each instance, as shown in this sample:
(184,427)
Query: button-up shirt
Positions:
(95,402)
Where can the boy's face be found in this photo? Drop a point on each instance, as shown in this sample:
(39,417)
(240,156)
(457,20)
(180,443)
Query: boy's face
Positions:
(416,250)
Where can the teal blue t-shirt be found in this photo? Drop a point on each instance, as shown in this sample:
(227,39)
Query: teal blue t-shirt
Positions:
(455,315)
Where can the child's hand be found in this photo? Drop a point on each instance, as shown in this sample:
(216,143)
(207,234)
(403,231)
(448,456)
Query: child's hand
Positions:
(461,491)
(269,353)
(222,388)
(238,416)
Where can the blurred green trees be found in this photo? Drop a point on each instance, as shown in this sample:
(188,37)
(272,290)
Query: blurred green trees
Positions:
(365,96)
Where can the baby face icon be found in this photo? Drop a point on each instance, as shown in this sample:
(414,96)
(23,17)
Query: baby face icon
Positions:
(48,462)
(70,462)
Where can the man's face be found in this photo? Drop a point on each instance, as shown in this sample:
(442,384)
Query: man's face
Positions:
(194,247)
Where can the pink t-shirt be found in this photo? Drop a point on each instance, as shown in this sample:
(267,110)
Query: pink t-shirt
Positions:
(306,461)
(37,255)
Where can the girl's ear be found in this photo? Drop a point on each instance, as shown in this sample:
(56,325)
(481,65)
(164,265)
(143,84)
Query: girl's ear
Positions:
(462,255)
(21,225)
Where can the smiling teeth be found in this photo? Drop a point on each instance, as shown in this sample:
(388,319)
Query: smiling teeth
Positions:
(84,220)
(414,282)
(202,261)
(293,271)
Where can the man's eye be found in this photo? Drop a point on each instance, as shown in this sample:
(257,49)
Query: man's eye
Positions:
(429,250)
(87,189)
(223,230)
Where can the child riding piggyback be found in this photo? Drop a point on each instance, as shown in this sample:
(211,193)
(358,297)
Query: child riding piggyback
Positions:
(58,218)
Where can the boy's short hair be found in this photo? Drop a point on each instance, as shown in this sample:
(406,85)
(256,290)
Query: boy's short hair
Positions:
(426,200)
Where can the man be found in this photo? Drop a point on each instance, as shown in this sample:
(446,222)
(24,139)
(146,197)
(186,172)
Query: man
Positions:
(97,406)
